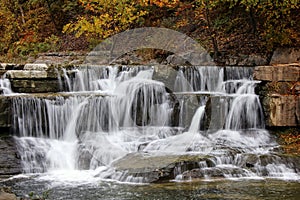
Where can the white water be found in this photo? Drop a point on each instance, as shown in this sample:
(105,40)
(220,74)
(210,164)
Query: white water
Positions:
(5,86)
(90,131)
(195,124)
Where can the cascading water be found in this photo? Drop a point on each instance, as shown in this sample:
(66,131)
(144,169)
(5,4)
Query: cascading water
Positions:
(5,87)
(113,111)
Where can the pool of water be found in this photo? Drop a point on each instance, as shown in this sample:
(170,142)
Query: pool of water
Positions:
(42,186)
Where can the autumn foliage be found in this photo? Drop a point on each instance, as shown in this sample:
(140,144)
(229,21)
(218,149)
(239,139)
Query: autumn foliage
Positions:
(33,26)
(291,143)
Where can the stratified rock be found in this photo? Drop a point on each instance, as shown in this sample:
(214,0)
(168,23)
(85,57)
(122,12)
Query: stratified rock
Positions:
(35,66)
(289,72)
(22,74)
(35,86)
(279,93)
(285,55)
(284,110)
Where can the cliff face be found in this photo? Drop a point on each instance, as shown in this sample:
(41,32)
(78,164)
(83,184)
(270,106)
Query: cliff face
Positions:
(279,91)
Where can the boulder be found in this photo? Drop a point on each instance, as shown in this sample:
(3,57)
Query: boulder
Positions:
(165,74)
(285,56)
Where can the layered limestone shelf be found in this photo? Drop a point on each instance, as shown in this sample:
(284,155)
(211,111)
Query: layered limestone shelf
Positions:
(279,91)
(281,72)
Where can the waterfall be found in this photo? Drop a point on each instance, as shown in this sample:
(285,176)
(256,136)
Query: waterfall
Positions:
(5,86)
(109,112)
(135,100)
(195,124)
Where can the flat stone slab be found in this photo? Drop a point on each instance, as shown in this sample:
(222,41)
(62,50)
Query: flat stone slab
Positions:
(157,168)
(282,72)
(36,66)
(23,74)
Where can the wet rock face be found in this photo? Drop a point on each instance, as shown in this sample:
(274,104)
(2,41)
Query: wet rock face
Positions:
(5,114)
(154,169)
(10,163)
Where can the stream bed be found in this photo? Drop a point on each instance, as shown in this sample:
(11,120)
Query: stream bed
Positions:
(39,186)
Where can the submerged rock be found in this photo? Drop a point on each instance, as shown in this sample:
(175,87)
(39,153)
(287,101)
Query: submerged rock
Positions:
(214,172)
